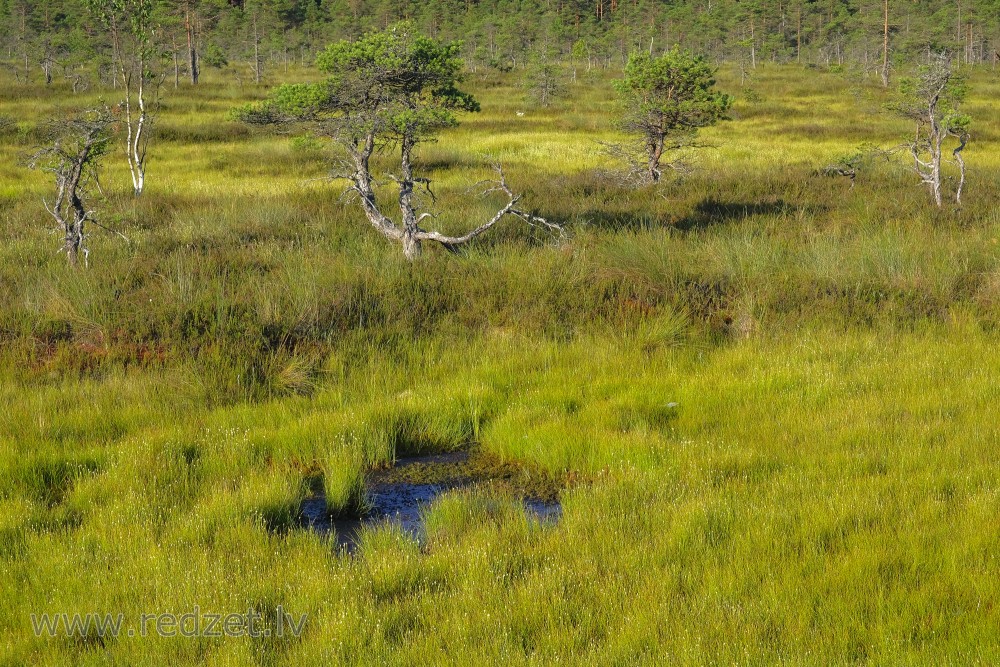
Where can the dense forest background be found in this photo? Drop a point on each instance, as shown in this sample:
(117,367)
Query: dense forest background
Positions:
(253,38)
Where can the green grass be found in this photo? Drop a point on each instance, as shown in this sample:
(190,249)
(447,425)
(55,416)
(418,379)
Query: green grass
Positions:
(769,397)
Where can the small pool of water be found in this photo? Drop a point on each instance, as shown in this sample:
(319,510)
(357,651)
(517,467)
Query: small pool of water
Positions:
(400,493)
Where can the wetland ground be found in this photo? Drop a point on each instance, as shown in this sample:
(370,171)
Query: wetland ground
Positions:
(767,400)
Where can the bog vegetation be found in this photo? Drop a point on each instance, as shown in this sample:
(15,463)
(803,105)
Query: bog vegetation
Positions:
(767,392)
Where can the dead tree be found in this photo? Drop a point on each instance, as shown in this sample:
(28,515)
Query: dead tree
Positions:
(931,100)
(862,159)
(72,158)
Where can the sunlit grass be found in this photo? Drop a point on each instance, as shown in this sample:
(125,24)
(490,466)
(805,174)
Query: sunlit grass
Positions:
(847,531)
(769,396)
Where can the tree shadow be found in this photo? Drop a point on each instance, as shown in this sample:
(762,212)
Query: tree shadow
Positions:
(711,212)
(613,221)
(707,213)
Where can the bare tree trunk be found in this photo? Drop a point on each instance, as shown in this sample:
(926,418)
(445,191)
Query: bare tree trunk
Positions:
(411,242)
(74,231)
(177,66)
(256,52)
(970,52)
(798,38)
(138,151)
(361,183)
(958,32)
(411,245)
(24,42)
(133,81)
(885,47)
(655,154)
(192,53)
(963,139)
(936,163)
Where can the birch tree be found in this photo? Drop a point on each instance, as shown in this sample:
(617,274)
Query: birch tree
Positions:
(130,30)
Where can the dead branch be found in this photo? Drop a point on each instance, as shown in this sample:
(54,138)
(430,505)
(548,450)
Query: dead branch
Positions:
(638,172)
(849,166)
(452,243)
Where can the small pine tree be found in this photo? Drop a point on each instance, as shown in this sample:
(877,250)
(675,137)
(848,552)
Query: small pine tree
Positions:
(544,80)
(665,100)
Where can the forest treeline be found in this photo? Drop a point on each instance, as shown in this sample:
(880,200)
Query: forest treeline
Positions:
(62,39)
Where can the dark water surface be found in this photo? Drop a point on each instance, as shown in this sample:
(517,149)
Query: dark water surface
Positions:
(399,494)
